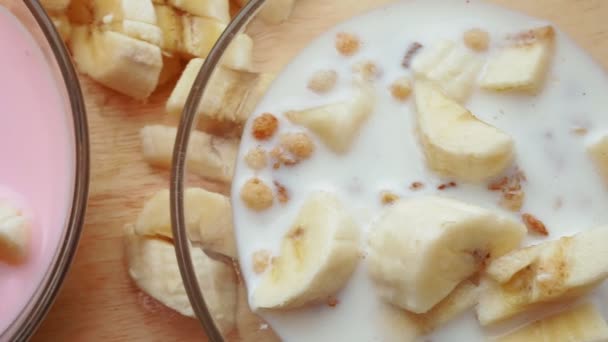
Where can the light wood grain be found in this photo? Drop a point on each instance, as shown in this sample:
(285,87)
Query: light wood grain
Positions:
(98,300)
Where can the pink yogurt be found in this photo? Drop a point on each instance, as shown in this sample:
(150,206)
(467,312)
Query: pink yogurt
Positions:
(36,159)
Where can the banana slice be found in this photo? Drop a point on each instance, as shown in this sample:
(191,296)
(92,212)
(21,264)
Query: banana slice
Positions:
(317,257)
(200,34)
(63,26)
(453,67)
(456,143)
(142,31)
(598,151)
(422,248)
(552,271)
(127,65)
(119,10)
(583,323)
(208,219)
(230,97)
(208,156)
(215,9)
(522,67)
(55,6)
(153,267)
(338,124)
(170,23)
(14,234)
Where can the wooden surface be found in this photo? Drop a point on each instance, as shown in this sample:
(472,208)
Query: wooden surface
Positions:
(98,300)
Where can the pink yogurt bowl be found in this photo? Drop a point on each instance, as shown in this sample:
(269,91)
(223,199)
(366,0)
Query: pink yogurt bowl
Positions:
(44,161)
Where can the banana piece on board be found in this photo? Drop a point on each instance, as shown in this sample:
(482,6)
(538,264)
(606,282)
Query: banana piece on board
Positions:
(208,156)
(118,10)
(338,125)
(454,68)
(200,34)
(135,29)
(421,249)
(273,11)
(598,151)
(552,271)
(208,219)
(215,9)
(317,257)
(153,267)
(124,64)
(55,6)
(170,23)
(457,144)
(522,66)
(583,323)
(14,234)
(230,97)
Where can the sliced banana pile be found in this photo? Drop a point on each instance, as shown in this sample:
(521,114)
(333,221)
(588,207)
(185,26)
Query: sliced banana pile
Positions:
(135,46)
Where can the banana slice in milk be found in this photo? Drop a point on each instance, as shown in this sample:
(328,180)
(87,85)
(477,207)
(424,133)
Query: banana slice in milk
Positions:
(422,248)
(14,234)
(317,256)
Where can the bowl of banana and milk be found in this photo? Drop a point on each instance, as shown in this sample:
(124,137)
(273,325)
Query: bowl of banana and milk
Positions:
(44,172)
(417,170)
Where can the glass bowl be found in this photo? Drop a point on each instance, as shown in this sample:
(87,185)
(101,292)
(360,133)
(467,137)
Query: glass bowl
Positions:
(31,14)
(274,47)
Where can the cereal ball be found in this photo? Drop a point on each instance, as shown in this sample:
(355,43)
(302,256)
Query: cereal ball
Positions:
(477,39)
(265,126)
(401,89)
(256,158)
(323,81)
(347,44)
(257,195)
(298,144)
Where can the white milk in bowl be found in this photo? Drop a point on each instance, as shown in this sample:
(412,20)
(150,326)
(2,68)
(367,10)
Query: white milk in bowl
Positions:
(396,169)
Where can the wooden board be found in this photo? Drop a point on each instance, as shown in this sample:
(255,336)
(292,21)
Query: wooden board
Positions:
(98,300)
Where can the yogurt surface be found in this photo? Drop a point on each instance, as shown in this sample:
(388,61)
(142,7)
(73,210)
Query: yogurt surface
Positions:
(563,188)
(36,159)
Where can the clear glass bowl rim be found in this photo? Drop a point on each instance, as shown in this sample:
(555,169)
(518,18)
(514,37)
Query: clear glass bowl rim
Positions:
(178,169)
(35,311)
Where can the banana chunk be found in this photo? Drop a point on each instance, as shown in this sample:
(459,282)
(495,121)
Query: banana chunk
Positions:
(421,249)
(124,64)
(453,67)
(142,31)
(339,124)
(208,156)
(523,66)
(200,34)
(170,23)
(208,219)
(119,10)
(598,151)
(55,6)
(14,234)
(317,257)
(456,143)
(583,323)
(153,267)
(215,9)
(230,97)
(552,271)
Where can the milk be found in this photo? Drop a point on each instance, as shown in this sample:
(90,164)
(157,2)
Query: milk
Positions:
(563,188)
(36,159)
